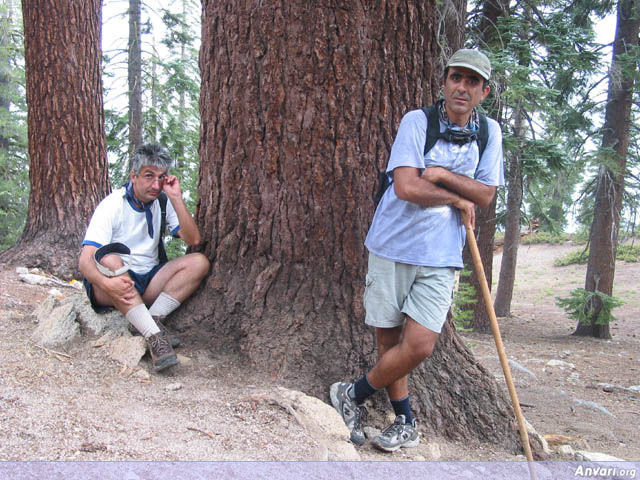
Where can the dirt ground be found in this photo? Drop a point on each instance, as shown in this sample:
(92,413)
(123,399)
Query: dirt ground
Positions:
(78,404)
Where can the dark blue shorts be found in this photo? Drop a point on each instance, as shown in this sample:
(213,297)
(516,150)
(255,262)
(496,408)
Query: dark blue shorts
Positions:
(140,280)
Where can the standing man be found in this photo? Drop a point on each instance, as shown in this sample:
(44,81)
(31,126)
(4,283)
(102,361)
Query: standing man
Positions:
(121,262)
(416,239)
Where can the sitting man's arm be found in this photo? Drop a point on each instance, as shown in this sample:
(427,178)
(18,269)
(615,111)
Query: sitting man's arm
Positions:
(412,187)
(119,289)
(189,231)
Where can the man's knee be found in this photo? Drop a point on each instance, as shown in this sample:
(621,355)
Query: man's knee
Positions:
(199,264)
(420,345)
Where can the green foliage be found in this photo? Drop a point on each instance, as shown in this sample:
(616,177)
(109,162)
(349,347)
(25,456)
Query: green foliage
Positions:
(465,296)
(14,163)
(174,247)
(545,237)
(582,305)
(545,64)
(579,257)
(624,252)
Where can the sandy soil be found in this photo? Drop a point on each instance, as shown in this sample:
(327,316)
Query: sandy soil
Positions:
(78,404)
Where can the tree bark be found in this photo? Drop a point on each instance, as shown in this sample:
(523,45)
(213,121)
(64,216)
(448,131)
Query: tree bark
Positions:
(506,280)
(299,108)
(135,78)
(603,238)
(68,164)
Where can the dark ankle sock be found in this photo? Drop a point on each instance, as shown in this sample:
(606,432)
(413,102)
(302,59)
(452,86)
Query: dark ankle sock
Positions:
(402,407)
(362,390)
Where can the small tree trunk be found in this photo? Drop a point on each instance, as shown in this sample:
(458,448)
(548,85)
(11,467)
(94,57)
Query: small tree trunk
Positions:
(68,164)
(504,293)
(606,220)
(135,78)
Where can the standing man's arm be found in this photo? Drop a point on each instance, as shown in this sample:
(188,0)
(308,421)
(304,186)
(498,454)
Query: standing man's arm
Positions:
(471,189)
(189,231)
(412,187)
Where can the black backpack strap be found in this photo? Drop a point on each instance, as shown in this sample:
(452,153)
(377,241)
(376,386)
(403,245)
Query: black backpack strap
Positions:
(433,127)
(483,135)
(162,254)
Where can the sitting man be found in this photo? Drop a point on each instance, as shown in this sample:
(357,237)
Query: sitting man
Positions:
(129,220)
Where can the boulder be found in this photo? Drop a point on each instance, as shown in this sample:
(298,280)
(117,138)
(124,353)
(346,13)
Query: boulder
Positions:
(322,423)
(56,326)
(128,350)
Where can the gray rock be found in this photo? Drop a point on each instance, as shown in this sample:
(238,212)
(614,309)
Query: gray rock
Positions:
(322,423)
(566,451)
(560,363)
(371,432)
(585,456)
(128,350)
(574,379)
(173,387)
(97,323)
(515,365)
(56,327)
(536,437)
(434,451)
(588,403)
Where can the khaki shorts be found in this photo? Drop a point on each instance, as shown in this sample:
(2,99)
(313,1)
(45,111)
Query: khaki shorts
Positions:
(395,290)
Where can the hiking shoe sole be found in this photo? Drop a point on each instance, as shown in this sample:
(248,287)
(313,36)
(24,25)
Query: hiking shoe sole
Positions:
(165,363)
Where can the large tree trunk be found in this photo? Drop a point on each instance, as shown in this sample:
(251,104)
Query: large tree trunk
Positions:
(134,71)
(68,164)
(506,280)
(299,106)
(603,238)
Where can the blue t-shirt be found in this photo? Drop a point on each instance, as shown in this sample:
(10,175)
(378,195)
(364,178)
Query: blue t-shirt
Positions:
(430,236)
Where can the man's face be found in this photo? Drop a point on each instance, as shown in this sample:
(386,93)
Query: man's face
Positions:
(147,185)
(463,92)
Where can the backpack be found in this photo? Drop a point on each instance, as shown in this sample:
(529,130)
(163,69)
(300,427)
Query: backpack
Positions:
(433,134)
(162,254)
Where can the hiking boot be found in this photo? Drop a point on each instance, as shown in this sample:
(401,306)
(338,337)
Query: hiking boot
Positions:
(398,434)
(162,355)
(175,341)
(350,411)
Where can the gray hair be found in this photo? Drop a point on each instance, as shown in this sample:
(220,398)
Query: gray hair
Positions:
(152,154)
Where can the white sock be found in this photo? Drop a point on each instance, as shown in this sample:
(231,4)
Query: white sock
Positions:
(164,305)
(140,318)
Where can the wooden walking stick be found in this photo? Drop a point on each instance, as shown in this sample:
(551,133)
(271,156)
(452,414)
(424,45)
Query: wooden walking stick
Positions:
(486,294)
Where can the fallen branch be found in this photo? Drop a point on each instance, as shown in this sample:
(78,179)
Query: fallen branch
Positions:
(210,435)
(52,353)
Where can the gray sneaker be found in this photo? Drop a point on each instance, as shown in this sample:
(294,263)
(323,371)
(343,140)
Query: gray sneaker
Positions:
(398,434)
(351,412)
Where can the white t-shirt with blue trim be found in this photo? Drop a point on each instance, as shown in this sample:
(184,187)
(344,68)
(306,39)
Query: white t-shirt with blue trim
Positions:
(116,219)
(408,233)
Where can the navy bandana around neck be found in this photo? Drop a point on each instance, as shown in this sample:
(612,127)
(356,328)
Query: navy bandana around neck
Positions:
(134,202)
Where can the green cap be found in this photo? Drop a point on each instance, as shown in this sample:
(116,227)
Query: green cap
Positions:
(473,59)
